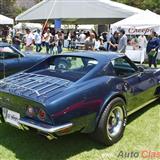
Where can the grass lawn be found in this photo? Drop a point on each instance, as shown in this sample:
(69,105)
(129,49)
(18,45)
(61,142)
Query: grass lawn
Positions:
(142,133)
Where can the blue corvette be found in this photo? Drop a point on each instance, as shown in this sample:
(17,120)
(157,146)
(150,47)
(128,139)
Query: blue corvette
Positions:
(12,60)
(85,91)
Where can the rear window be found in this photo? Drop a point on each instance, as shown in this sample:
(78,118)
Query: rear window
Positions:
(70,67)
(79,64)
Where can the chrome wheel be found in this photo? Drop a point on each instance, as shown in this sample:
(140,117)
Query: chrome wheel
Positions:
(112,123)
(115,121)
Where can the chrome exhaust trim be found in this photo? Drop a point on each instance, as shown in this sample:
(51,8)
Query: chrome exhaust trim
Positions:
(49,136)
(42,126)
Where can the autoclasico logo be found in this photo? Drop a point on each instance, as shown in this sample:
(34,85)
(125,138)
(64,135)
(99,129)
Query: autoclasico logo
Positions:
(144,154)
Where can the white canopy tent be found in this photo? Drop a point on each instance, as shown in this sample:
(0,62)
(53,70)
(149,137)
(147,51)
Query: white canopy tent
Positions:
(5,20)
(28,25)
(33,26)
(78,11)
(138,24)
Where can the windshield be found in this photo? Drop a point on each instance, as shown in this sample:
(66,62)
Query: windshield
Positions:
(70,67)
(8,53)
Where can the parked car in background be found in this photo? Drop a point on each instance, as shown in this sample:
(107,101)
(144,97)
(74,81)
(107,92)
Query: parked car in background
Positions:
(85,91)
(12,60)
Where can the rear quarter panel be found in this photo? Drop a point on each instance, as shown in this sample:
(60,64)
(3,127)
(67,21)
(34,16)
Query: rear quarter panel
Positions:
(84,103)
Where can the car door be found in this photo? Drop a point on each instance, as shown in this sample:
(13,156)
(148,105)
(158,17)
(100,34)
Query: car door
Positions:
(139,86)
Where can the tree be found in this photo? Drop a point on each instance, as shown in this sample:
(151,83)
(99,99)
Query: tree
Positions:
(7,7)
(152,5)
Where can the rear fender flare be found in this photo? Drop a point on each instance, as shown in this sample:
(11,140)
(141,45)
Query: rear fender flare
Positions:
(106,102)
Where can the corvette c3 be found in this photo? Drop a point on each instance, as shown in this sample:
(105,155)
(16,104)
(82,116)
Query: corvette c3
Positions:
(87,92)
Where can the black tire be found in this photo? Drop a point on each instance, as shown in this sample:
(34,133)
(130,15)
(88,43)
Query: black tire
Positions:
(102,132)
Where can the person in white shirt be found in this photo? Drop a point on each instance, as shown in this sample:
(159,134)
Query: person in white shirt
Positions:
(142,42)
(82,37)
(90,42)
(69,40)
(38,40)
(97,44)
(47,37)
(29,40)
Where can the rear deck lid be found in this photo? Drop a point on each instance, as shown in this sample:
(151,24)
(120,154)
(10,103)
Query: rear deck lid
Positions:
(34,86)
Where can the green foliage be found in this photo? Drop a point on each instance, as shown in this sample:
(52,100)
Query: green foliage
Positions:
(152,5)
(19,10)
(7,7)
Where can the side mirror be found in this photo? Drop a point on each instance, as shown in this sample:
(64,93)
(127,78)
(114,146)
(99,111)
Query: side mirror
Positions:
(140,69)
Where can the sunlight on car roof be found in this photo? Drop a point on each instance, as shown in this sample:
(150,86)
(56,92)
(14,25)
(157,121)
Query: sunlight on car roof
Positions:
(6,49)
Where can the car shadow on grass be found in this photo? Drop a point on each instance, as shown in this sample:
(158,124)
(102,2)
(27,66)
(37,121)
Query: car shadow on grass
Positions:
(28,145)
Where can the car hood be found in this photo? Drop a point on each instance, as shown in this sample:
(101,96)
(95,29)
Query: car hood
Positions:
(33,86)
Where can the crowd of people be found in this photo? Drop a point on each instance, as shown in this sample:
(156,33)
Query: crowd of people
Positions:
(53,41)
(118,42)
(105,41)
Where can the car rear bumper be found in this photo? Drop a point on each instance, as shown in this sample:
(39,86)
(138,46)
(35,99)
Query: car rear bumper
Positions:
(25,122)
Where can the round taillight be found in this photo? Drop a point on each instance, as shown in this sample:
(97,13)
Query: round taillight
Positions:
(30,111)
(42,114)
